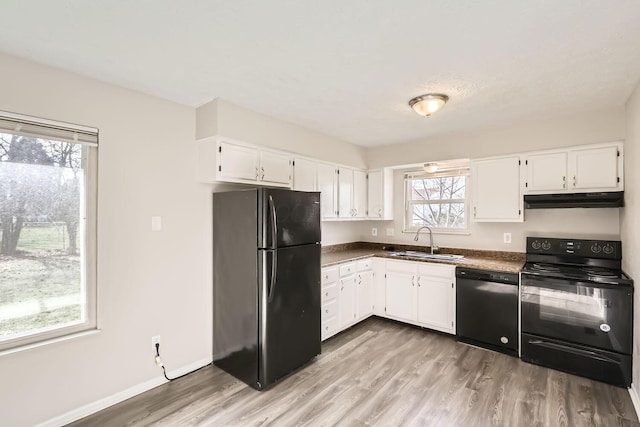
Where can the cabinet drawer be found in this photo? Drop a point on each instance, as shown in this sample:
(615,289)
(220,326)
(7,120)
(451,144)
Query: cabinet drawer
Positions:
(347,269)
(402,266)
(436,270)
(329,292)
(365,264)
(330,309)
(329,274)
(329,326)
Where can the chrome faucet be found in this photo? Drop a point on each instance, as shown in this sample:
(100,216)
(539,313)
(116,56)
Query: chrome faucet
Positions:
(434,248)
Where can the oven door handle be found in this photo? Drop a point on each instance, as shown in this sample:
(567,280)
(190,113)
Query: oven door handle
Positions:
(573,350)
(535,281)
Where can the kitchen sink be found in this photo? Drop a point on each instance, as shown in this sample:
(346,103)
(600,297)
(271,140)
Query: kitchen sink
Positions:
(425,255)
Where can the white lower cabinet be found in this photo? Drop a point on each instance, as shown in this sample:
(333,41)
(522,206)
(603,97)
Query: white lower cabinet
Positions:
(347,301)
(364,290)
(436,297)
(347,295)
(419,293)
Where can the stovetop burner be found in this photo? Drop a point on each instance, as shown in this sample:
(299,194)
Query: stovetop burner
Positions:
(576,260)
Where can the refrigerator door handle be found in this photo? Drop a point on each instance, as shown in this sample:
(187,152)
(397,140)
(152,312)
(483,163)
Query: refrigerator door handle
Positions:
(274,224)
(274,272)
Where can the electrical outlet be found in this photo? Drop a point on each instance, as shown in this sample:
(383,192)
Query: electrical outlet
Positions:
(506,237)
(390,231)
(156,223)
(155,340)
(374,231)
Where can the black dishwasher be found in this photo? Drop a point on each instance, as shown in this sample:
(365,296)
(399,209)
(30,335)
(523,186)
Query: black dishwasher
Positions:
(487,309)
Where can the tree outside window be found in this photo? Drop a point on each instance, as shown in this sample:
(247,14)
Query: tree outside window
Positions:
(436,201)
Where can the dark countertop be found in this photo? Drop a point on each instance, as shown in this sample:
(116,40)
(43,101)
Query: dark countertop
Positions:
(486,260)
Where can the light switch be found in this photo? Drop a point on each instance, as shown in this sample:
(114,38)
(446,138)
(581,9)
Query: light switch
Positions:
(506,237)
(156,223)
(374,231)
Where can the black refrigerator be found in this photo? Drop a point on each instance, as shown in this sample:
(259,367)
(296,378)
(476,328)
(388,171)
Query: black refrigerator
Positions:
(266,282)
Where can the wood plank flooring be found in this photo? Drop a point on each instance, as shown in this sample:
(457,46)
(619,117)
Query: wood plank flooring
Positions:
(384,373)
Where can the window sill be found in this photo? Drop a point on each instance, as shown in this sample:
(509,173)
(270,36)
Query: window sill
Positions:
(440,231)
(56,340)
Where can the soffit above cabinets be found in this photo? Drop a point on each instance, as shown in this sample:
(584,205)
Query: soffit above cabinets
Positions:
(348,69)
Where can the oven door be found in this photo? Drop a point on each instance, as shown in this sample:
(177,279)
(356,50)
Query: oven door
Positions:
(580,312)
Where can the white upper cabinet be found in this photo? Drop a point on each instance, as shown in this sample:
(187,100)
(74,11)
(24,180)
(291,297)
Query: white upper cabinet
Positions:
(595,169)
(238,162)
(352,193)
(380,194)
(496,190)
(225,160)
(327,184)
(304,174)
(581,169)
(546,172)
(359,194)
(275,168)
(345,193)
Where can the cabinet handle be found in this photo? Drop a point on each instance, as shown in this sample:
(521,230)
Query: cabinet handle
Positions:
(355,212)
(413,280)
(326,328)
(474,211)
(574,180)
(262,169)
(418,281)
(564,182)
(327,311)
(326,294)
(380,212)
(257,173)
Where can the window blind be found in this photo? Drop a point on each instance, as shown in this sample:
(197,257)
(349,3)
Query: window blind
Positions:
(19,124)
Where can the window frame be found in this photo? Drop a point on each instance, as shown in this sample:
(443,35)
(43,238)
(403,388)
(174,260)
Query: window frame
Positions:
(455,168)
(87,235)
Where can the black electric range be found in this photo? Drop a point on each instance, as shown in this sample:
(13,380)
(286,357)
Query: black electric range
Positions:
(577,308)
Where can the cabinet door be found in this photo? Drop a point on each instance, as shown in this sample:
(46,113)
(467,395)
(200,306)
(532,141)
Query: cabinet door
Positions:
(304,175)
(401,296)
(546,172)
(364,294)
(275,168)
(347,300)
(496,190)
(436,302)
(327,185)
(359,194)
(237,162)
(345,196)
(594,168)
(379,286)
(375,201)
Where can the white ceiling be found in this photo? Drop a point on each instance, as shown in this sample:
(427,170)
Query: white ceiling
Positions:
(347,67)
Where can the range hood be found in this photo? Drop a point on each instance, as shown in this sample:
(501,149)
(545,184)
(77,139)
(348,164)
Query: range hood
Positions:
(613,199)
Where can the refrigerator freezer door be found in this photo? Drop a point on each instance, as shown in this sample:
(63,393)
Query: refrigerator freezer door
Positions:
(289,310)
(288,218)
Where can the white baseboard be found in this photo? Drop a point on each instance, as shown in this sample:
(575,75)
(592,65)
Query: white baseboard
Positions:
(634,399)
(98,405)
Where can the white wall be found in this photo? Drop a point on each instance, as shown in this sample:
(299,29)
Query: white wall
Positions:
(149,282)
(586,128)
(600,126)
(630,222)
(224,118)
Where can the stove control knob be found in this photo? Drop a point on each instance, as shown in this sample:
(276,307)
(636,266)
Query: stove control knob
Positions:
(535,244)
(596,248)
(546,245)
(607,249)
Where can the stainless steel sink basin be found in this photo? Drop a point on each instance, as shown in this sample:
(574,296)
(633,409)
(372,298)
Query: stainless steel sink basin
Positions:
(425,255)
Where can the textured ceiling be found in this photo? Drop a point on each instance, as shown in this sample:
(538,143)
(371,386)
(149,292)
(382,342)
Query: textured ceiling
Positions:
(347,68)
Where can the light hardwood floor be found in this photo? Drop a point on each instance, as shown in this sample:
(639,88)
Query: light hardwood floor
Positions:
(384,373)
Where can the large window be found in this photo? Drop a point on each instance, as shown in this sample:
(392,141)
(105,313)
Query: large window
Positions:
(437,199)
(47,229)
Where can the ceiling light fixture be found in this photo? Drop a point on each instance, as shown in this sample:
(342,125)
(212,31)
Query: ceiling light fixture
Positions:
(426,105)
(430,167)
